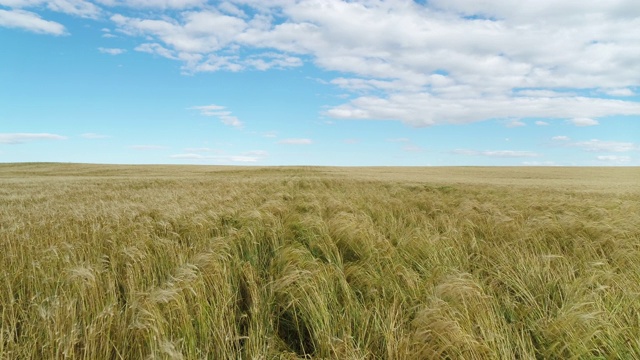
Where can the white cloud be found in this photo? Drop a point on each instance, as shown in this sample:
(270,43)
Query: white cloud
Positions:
(515,123)
(541,123)
(158,4)
(74,7)
(596,145)
(272,60)
(21,138)
(111,51)
(437,62)
(29,21)
(619,92)
(424,109)
(156,49)
(496,153)
(614,159)
(543,93)
(80,8)
(295,141)
(94,136)
(583,122)
(221,113)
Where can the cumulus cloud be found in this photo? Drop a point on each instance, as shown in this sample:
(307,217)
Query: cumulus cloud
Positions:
(29,21)
(111,51)
(295,141)
(422,63)
(21,138)
(583,122)
(221,113)
(158,4)
(80,8)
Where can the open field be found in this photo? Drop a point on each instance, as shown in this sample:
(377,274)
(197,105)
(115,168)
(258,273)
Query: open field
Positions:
(194,262)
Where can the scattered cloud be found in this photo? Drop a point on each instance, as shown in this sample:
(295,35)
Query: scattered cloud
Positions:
(615,159)
(596,145)
(424,109)
(106,33)
(29,21)
(583,122)
(496,153)
(221,113)
(156,4)
(439,62)
(422,63)
(147,147)
(94,136)
(351,141)
(541,123)
(295,141)
(21,138)
(515,123)
(112,51)
(81,8)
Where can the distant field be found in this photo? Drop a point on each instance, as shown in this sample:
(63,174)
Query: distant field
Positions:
(195,262)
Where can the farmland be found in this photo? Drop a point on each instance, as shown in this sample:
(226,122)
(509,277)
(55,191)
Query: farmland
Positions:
(193,262)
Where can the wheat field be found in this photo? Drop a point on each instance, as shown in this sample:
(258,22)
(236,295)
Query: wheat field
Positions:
(197,262)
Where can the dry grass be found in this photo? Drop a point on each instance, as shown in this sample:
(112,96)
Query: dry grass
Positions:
(170,262)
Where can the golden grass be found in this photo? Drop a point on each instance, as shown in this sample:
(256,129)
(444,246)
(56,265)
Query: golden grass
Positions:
(187,262)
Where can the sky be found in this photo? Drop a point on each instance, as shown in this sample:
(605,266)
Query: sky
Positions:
(321,82)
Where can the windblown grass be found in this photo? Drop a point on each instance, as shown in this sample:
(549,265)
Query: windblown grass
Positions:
(125,262)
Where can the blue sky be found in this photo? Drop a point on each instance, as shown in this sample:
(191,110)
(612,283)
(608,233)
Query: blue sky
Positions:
(320,82)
